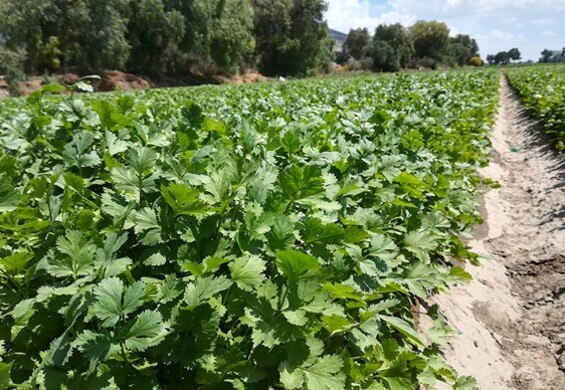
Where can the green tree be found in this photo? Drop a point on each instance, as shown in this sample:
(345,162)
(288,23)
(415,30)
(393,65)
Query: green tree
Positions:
(20,24)
(232,43)
(461,49)
(502,58)
(357,42)
(515,54)
(431,39)
(546,55)
(84,34)
(154,35)
(292,38)
(490,59)
(390,38)
(105,42)
(385,57)
(218,33)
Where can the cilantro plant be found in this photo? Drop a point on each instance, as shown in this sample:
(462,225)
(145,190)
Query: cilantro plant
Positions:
(268,236)
(542,88)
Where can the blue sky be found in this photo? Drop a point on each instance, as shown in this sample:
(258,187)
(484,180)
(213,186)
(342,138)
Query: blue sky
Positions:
(530,25)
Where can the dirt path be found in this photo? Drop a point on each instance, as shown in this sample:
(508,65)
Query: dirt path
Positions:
(511,319)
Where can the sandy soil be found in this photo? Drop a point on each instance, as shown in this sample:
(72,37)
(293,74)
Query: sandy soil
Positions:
(510,320)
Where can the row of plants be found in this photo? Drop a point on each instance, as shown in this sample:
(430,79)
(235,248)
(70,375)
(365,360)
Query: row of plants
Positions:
(278,235)
(542,89)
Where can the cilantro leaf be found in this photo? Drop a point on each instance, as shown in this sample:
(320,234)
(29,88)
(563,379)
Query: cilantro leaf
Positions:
(247,272)
(294,264)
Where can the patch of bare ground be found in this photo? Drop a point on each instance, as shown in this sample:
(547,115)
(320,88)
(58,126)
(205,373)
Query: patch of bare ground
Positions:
(510,320)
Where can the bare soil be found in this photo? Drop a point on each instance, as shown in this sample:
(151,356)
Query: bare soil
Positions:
(510,320)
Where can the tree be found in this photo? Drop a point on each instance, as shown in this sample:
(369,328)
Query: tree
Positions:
(502,58)
(218,33)
(232,42)
(461,49)
(385,57)
(514,54)
(357,43)
(398,39)
(85,34)
(490,59)
(430,39)
(546,55)
(292,38)
(154,35)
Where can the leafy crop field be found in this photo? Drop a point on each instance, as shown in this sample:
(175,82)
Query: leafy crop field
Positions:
(268,236)
(542,88)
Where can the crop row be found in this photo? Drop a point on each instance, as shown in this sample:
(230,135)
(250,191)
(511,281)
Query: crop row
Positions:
(269,236)
(542,89)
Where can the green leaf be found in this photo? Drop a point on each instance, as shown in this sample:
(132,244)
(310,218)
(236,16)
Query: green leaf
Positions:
(75,152)
(405,328)
(296,317)
(148,227)
(142,159)
(295,264)
(314,230)
(109,306)
(336,323)
(281,235)
(420,243)
(383,248)
(147,330)
(114,144)
(9,197)
(291,378)
(325,374)
(83,86)
(5,379)
(420,278)
(96,346)
(16,261)
(53,88)
(133,298)
(205,288)
(466,383)
(459,275)
(77,257)
(184,200)
(301,182)
(247,272)
(155,260)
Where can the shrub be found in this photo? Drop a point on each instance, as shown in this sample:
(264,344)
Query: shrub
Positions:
(476,61)
(11,59)
(12,64)
(364,64)
(14,76)
(342,57)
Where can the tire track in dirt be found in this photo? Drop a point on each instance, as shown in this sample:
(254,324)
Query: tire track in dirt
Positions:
(510,320)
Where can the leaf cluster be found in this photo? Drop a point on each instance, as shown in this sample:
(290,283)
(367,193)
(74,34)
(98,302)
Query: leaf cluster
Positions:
(274,236)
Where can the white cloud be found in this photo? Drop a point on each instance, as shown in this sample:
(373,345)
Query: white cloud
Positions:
(346,14)
(498,35)
(547,33)
(542,22)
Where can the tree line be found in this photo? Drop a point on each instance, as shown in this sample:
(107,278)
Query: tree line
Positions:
(394,47)
(164,37)
(504,57)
